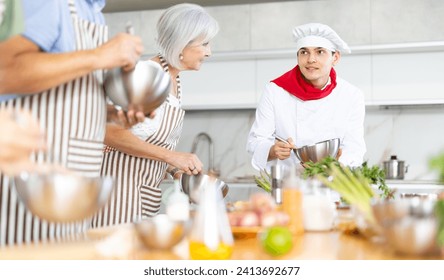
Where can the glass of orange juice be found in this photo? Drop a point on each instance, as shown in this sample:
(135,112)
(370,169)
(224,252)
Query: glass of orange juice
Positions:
(292,201)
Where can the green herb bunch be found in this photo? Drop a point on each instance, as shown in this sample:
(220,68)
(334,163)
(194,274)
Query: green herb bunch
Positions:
(376,176)
(319,168)
(437,163)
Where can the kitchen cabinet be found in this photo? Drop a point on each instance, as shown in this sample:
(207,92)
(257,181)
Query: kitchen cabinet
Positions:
(403,77)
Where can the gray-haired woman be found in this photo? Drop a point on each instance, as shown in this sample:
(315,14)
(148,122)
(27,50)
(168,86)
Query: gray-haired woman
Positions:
(138,158)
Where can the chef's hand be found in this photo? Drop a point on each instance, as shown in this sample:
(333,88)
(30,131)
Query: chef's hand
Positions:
(281,150)
(187,162)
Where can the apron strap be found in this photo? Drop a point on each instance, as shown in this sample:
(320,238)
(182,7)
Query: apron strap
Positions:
(165,68)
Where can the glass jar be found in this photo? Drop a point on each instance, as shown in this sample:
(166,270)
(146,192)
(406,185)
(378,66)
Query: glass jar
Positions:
(318,207)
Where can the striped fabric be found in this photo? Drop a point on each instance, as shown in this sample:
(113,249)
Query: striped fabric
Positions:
(137,191)
(74,118)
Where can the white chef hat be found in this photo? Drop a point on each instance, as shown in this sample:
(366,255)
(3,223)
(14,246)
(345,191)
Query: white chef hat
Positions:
(319,35)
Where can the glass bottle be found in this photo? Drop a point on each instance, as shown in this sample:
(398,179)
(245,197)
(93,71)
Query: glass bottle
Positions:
(211,237)
(292,201)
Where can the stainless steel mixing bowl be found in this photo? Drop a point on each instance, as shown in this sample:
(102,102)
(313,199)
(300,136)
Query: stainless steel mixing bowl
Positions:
(161,232)
(409,225)
(191,185)
(143,89)
(63,197)
(318,151)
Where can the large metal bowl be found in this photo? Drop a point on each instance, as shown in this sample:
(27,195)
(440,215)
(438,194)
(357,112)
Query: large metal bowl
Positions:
(192,185)
(409,225)
(143,89)
(318,151)
(161,232)
(63,197)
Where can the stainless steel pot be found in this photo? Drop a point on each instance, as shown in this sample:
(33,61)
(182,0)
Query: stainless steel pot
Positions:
(394,168)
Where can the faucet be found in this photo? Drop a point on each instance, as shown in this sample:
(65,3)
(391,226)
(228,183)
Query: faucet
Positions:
(196,140)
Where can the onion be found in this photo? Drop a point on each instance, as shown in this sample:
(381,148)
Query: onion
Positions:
(249,219)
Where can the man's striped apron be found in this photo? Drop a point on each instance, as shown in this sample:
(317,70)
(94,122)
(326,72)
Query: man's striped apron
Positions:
(74,118)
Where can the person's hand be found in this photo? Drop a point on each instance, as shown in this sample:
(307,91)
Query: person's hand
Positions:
(187,162)
(123,50)
(129,118)
(126,119)
(281,150)
(21,135)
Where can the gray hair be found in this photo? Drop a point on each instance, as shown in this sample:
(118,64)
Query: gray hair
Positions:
(179,26)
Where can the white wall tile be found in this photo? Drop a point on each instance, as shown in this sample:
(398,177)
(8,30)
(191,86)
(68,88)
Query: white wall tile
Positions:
(234,24)
(397,21)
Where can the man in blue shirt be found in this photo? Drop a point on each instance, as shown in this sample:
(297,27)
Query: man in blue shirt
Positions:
(56,69)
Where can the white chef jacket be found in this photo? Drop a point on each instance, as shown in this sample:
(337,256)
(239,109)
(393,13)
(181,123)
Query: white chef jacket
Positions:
(338,115)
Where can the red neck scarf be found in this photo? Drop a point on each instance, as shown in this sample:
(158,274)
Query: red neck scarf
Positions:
(294,83)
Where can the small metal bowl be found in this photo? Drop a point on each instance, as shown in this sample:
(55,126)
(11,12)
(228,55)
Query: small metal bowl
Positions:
(143,89)
(63,197)
(409,225)
(160,232)
(318,151)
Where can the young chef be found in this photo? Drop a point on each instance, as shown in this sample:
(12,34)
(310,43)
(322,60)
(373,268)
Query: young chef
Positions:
(309,104)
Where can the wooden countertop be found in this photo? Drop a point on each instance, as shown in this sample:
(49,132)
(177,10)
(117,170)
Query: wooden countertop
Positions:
(106,243)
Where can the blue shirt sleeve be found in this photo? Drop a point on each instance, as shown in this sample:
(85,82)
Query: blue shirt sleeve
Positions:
(48,23)
(43,23)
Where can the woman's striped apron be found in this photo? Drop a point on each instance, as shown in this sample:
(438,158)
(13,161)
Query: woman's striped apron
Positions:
(137,191)
(74,118)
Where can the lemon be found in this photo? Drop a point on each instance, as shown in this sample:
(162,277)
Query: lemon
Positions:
(277,240)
